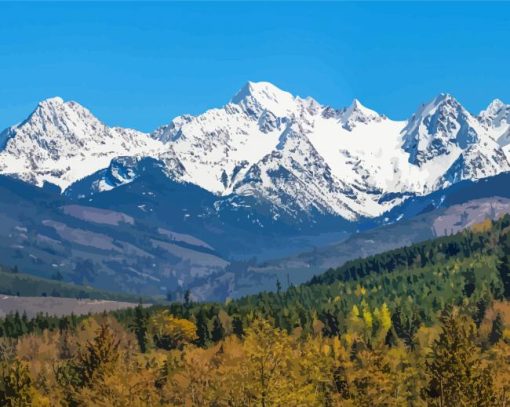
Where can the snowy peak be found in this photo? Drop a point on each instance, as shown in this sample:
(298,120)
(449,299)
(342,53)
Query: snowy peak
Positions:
(496,120)
(438,128)
(258,97)
(495,108)
(61,142)
(55,127)
(51,102)
(295,179)
(497,114)
(218,146)
(356,114)
(476,162)
(444,134)
(55,117)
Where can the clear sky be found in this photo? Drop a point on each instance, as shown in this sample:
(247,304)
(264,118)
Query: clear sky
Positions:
(139,65)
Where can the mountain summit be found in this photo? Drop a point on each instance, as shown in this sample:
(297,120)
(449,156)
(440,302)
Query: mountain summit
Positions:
(496,120)
(357,113)
(259,97)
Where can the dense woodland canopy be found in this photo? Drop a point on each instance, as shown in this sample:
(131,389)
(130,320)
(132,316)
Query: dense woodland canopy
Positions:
(423,325)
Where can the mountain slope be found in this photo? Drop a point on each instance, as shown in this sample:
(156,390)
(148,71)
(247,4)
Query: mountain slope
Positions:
(43,232)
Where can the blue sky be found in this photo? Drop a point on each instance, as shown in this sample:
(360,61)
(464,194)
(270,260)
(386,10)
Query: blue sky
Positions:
(140,64)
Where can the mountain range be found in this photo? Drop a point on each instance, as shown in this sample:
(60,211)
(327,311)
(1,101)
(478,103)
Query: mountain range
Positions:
(295,154)
(268,174)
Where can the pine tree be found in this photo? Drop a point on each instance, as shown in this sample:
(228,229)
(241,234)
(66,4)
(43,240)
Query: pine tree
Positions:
(481,307)
(497,330)
(456,377)
(331,327)
(187,304)
(140,327)
(64,348)
(218,332)
(98,356)
(187,299)
(406,326)
(203,335)
(237,326)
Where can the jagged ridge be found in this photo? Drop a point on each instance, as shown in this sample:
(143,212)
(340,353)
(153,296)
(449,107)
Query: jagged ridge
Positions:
(291,153)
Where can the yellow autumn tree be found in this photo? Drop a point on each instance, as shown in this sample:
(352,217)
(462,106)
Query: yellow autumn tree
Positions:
(268,365)
(169,332)
(383,320)
(193,380)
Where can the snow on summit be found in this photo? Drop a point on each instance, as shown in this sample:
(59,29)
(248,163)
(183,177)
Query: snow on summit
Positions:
(263,96)
(356,113)
(62,142)
(291,152)
(496,120)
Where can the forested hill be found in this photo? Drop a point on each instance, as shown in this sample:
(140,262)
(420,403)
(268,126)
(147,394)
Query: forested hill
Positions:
(484,238)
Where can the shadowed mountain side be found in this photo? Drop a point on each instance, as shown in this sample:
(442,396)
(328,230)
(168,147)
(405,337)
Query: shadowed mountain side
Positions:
(239,227)
(44,236)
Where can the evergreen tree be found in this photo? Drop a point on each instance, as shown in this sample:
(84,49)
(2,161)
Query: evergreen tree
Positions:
(237,326)
(481,307)
(187,304)
(456,377)
(497,330)
(187,298)
(140,327)
(405,326)
(98,357)
(203,335)
(331,327)
(218,332)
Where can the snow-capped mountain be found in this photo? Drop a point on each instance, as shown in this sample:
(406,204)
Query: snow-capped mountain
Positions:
(61,142)
(440,128)
(442,134)
(496,120)
(291,154)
